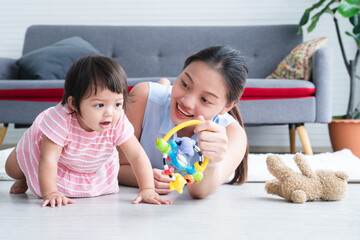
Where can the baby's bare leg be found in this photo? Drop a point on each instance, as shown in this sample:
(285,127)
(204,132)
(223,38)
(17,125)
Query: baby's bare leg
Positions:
(13,169)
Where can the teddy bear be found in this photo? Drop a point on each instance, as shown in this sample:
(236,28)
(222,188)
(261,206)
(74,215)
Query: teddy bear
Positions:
(308,186)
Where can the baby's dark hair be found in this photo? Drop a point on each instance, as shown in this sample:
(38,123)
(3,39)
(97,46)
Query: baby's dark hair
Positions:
(92,72)
(233,68)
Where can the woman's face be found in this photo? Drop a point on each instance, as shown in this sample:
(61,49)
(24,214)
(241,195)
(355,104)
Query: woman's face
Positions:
(199,90)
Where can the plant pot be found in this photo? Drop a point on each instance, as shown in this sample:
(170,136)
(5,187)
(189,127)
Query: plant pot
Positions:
(345,133)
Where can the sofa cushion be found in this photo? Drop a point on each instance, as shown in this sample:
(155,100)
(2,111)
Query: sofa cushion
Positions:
(265,89)
(278,111)
(8,68)
(297,64)
(53,61)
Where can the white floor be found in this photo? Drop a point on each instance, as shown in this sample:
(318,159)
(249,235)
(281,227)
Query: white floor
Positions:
(233,212)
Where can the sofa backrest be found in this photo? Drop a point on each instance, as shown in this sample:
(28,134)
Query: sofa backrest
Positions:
(157,51)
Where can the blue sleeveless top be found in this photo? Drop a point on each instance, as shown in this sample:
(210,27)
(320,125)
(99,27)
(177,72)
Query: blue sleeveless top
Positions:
(157,122)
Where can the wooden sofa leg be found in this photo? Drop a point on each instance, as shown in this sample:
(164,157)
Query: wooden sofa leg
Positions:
(3,132)
(300,128)
(292,135)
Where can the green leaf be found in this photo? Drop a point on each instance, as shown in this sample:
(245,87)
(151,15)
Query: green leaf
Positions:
(305,17)
(356,29)
(347,10)
(355,37)
(357,115)
(354,2)
(339,117)
(354,20)
(317,16)
(313,24)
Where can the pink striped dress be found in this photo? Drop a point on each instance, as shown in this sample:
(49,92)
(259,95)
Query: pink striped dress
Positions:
(89,162)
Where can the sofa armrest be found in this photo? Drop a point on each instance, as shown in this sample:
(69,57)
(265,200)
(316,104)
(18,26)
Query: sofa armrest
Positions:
(8,68)
(322,77)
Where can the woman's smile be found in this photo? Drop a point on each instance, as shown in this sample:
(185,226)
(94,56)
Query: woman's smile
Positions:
(182,113)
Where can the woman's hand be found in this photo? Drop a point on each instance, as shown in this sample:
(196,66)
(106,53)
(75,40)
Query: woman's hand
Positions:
(212,140)
(161,182)
(56,198)
(150,196)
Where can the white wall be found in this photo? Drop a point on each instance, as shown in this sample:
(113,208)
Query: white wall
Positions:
(17,15)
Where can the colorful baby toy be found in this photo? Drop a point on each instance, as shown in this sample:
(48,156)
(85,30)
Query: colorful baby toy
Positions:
(179,153)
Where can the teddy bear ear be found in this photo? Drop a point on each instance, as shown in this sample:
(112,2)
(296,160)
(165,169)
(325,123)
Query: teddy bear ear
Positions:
(342,175)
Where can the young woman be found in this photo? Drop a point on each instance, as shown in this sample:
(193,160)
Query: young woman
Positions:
(208,89)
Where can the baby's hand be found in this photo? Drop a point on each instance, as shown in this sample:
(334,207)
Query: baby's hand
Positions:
(150,196)
(56,198)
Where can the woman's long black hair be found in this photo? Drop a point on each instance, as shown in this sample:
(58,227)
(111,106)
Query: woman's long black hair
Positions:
(233,67)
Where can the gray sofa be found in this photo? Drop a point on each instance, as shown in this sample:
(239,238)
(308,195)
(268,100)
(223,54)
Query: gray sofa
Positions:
(150,52)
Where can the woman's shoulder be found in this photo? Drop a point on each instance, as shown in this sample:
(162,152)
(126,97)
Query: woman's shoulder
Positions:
(225,119)
(159,93)
(140,89)
(150,91)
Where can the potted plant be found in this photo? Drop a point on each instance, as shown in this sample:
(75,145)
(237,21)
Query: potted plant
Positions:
(348,125)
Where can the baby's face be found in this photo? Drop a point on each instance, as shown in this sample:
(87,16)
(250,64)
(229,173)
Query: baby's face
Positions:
(101,111)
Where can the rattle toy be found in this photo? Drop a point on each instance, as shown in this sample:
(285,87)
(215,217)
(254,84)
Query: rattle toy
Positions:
(179,153)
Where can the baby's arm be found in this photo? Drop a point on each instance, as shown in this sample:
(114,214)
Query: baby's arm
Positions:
(135,110)
(142,169)
(49,156)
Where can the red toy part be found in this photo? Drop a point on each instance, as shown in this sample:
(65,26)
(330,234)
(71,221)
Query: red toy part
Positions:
(169,171)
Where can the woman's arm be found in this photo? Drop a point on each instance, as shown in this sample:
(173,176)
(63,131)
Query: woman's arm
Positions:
(135,111)
(49,157)
(225,147)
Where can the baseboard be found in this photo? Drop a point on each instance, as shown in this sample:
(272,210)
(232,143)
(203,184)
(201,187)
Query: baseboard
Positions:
(5,146)
(283,149)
